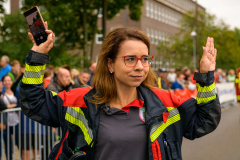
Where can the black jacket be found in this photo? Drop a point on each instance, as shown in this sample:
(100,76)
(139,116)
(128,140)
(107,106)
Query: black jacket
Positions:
(168,119)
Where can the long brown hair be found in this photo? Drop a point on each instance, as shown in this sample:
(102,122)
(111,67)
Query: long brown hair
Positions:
(103,80)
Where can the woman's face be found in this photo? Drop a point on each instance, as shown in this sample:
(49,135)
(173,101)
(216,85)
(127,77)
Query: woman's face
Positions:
(7,82)
(129,76)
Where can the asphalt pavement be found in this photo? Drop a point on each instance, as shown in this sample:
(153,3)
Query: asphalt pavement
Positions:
(221,144)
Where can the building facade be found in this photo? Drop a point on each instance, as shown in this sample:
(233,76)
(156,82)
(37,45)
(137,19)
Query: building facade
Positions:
(159,19)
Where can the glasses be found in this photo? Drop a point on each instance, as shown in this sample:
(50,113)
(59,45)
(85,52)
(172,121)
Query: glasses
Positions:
(131,60)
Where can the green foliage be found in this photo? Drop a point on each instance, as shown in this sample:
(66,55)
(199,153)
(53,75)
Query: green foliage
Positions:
(15,42)
(227,42)
(1,6)
(66,19)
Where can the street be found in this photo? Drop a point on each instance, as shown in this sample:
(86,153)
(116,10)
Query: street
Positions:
(221,144)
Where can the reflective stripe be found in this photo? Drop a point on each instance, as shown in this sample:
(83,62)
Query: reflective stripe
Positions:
(205,100)
(157,129)
(76,116)
(33,74)
(238,81)
(206,88)
(159,83)
(206,93)
(54,93)
(238,97)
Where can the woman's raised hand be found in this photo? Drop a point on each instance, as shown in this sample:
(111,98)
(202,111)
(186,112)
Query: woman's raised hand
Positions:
(208,60)
(46,46)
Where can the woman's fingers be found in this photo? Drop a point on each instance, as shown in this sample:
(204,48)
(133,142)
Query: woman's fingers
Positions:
(31,37)
(46,46)
(34,48)
(50,38)
(208,44)
(212,45)
(46,25)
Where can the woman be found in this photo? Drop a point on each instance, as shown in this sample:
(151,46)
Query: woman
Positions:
(124,116)
(11,100)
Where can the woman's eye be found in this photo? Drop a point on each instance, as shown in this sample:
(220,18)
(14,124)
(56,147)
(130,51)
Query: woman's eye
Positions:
(145,59)
(129,59)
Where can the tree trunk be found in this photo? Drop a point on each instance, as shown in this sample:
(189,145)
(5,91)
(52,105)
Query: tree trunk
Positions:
(85,33)
(104,17)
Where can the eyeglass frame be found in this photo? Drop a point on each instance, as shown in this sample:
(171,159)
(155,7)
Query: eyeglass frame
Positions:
(137,59)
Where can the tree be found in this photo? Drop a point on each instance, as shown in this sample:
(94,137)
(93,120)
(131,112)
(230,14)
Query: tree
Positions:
(16,43)
(1,6)
(13,33)
(75,22)
(226,41)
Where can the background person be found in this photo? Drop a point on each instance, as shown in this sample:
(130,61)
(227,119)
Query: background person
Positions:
(5,66)
(12,101)
(48,75)
(82,79)
(162,81)
(62,80)
(92,68)
(171,76)
(178,84)
(16,69)
(124,116)
(231,76)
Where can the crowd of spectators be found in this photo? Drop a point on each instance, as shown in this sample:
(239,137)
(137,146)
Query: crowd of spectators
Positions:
(181,83)
(55,79)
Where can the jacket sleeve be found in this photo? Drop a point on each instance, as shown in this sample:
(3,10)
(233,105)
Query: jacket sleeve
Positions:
(36,103)
(202,115)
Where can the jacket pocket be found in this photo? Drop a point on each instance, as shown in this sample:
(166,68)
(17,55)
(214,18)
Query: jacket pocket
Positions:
(169,147)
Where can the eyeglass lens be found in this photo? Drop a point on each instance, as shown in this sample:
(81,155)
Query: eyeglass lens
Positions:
(131,61)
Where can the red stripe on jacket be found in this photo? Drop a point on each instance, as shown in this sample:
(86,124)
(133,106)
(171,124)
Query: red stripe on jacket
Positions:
(60,149)
(156,151)
(168,99)
(74,97)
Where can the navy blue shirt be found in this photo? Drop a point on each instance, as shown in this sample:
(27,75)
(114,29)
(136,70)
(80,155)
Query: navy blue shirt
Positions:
(122,133)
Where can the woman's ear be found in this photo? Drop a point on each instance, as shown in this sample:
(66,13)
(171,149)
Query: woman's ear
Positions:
(110,65)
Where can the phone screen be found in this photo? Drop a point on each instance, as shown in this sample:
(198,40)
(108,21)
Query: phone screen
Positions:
(36,25)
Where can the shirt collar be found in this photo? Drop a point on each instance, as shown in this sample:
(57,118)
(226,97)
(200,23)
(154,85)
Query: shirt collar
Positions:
(135,103)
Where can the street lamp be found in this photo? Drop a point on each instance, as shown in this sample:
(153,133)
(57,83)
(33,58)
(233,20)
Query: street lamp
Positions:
(194,35)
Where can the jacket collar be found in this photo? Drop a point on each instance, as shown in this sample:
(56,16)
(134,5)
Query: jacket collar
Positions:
(154,106)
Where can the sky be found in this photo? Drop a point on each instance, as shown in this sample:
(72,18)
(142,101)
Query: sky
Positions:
(227,10)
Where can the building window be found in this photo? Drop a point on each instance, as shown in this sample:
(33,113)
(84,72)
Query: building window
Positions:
(159,13)
(100,13)
(156,12)
(152,37)
(147,9)
(156,37)
(163,15)
(160,36)
(148,32)
(151,10)
(99,38)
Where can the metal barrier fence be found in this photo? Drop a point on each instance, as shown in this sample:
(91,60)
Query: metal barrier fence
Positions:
(26,140)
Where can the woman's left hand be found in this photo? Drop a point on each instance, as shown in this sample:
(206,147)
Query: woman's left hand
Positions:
(208,60)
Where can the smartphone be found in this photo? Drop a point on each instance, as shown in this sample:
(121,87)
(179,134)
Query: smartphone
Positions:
(36,25)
